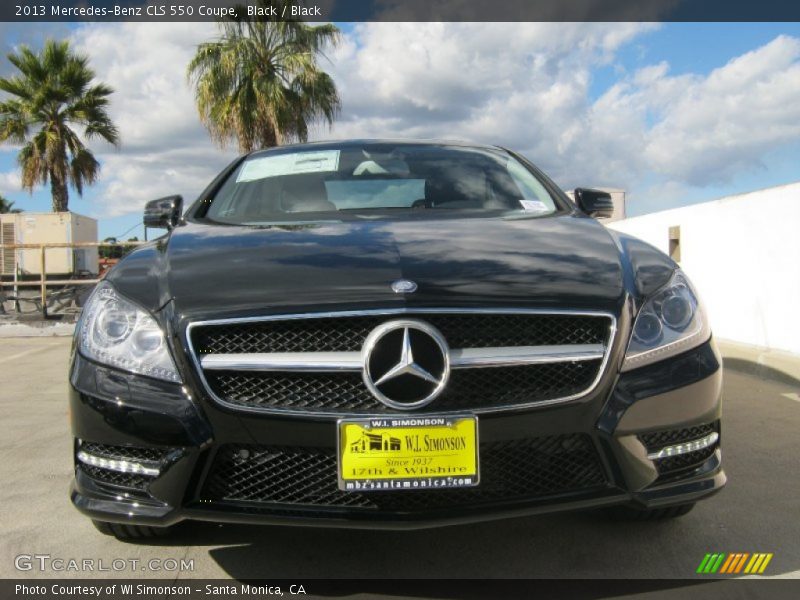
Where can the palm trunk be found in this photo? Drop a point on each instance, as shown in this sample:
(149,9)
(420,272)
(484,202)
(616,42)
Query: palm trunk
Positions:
(269,138)
(59,193)
(270,133)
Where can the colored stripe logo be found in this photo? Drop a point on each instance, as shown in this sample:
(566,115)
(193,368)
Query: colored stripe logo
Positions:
(734,563)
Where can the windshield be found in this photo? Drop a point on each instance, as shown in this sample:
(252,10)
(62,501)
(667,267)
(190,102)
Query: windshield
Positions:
(363,179)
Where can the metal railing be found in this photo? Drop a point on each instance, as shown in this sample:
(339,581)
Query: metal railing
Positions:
(44,282)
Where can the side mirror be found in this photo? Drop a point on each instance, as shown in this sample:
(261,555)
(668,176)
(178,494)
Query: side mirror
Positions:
(595,203)
(163,212)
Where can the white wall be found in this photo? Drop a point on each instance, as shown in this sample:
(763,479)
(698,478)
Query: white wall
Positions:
(743,255)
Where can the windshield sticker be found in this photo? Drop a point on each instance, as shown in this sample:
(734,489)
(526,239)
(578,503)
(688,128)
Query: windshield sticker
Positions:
(289,164)
(534,206)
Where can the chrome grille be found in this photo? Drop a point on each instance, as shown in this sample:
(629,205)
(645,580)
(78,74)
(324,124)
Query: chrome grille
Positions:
(346,392)
(310,363)
(347,333)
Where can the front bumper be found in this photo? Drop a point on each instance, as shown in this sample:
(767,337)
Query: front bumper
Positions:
(189,435)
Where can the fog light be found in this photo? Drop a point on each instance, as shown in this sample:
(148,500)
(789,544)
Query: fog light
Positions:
(120,466)
(686,447)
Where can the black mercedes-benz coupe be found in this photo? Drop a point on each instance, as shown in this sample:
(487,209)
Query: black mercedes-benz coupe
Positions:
(390,334)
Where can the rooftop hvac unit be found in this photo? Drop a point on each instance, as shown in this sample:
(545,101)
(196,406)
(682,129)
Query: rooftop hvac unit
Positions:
(48,228)
(7,236)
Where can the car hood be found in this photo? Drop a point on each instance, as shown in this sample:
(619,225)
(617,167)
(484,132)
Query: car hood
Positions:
(217,271)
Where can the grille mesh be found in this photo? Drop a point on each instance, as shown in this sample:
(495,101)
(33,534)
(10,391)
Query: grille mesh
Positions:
(347,334)
(467,388)
(125,480)
(130,481)
(292,477)
(681,464)
(660,439)
(131,453)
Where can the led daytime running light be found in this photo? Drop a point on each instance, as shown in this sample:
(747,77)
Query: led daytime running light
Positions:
(120,466)
(686,447)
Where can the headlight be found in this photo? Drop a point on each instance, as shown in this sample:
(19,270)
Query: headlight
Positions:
(116,332)
(670,322)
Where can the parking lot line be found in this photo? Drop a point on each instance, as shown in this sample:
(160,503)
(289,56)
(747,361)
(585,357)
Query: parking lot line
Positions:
(26,353)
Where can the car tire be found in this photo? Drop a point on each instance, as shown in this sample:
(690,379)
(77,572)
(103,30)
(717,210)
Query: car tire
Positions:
(627,513)
(130,532)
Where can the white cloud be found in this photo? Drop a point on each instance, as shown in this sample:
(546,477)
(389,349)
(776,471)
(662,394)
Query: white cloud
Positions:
(527,86)
(522,85)
(10,182)
(711,128)
(164,149)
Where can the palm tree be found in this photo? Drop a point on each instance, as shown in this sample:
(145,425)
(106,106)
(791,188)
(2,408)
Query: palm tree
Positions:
(52,95)
(260,84)
(6,206)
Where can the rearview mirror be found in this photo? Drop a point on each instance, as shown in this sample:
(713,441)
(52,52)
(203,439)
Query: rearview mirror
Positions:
(595,203)
(163,212)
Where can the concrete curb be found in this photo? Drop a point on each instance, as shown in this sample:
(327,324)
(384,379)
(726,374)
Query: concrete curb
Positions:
(39,328)
(761,362)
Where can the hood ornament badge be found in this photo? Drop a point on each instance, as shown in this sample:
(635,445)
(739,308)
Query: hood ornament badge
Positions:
(404,286)
(406,363)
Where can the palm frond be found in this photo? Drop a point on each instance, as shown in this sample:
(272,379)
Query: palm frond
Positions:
(53,92)
(260,84)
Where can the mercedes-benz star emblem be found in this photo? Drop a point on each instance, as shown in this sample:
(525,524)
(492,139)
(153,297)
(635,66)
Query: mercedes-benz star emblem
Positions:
(404,286)
(406,363)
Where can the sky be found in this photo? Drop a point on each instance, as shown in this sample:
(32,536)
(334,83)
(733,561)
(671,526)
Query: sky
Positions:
(673,113)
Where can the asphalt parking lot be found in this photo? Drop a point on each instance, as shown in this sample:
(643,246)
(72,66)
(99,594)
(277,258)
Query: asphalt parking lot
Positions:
(759,511)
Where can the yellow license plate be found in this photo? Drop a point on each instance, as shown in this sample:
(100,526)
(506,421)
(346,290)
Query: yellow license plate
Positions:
(408,453)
